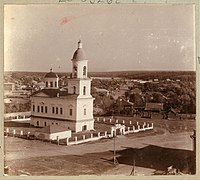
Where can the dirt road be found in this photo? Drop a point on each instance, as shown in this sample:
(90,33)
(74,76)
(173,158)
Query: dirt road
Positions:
(17,148)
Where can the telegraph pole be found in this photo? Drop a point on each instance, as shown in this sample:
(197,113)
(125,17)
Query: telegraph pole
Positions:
(114,152)
(133,170)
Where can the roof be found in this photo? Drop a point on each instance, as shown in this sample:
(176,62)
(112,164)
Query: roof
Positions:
(52,129)
(79,53)
(52,92)
(51,75)
(154,106)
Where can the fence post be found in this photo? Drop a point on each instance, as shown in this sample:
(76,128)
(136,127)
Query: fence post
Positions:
(98,134)
(123,121)
(137,123)
(67,141)
(91,135)
(133,128)
(13,132)
(21,133)
(110,120)
(130,122)
(83,137)
(75,138)
(138,127)
(148,125)
(28,134)
(116,121)
(128,129)
(105,133)
(7,131)
(58,140)
(152,125)
(111,133)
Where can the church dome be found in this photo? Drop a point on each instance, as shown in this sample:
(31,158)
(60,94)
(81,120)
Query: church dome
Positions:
(51,74)
(79,53)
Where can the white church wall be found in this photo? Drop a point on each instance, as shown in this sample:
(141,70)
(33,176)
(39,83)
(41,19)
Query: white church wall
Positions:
(65,104)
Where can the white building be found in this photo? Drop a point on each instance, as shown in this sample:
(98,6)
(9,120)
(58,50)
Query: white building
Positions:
(72,109)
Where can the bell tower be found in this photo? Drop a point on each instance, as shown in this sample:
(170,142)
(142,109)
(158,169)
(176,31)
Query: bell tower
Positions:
(80,85)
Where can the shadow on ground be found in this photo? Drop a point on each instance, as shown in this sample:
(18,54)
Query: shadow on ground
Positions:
(158,158)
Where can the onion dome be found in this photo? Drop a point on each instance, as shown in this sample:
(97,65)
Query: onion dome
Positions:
(79,53)
(51,74)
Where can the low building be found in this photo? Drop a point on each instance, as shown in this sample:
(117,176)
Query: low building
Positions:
(152,108)
(53,132)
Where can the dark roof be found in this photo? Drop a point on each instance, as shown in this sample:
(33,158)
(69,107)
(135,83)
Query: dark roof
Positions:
(51,75)
(154,106)
(52,129)
(79,55)
(52,92)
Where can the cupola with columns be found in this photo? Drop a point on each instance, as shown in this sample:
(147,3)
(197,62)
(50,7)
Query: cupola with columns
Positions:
(51,80)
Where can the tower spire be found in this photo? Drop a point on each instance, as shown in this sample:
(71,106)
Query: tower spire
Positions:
(80,45)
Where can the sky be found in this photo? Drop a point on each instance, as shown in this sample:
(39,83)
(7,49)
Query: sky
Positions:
(114,37)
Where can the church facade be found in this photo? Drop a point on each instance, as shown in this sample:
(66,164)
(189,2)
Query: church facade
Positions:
(72,108)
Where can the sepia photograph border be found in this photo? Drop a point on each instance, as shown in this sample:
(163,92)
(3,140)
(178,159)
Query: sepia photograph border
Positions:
(196,3)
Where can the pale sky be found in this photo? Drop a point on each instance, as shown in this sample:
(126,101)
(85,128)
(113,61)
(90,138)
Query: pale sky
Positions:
(115,37)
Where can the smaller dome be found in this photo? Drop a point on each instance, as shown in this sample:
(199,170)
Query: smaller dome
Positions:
(51,74)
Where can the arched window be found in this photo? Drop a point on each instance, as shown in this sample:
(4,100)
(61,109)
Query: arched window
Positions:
(74,89)
(84,70)
(84,90)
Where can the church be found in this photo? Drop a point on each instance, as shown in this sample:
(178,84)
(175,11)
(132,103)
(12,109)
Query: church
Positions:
(71,108)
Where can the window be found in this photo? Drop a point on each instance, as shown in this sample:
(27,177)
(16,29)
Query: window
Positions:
(84,90)
(70,112)
(45,123)
(84,70)
(51,84)
(33,108)
(56,123)
(37,123)
(38,109)
(45,109)
(74,88)
(42,108)
(55,84)
(57,110)
(52,123)
(46,83)
(53,110)
(84,128)
(61,110)
(85,111)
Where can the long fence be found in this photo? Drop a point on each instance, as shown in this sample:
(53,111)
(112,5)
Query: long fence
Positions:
(123,130)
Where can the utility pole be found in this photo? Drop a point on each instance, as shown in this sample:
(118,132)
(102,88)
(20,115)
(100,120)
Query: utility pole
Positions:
(133,170)
(114,152)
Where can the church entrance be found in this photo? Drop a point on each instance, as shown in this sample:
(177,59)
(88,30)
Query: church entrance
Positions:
(84,128)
